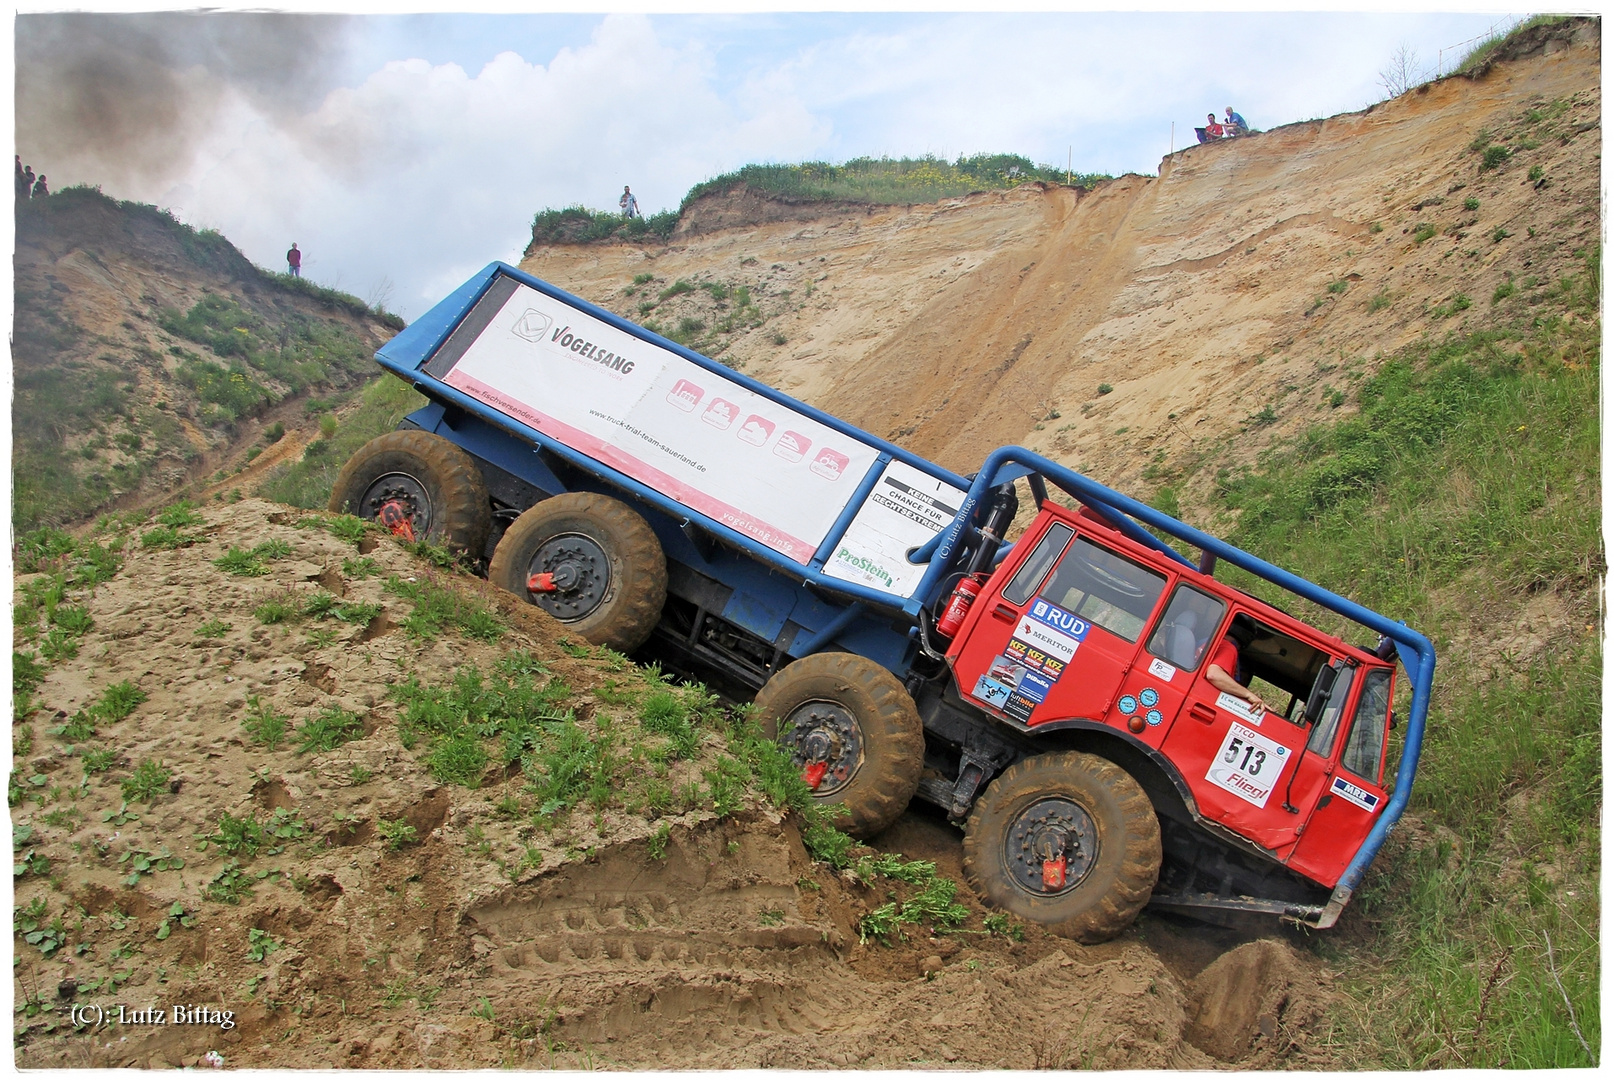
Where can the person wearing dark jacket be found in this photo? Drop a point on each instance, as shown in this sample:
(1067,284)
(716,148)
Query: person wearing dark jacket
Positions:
(294,262)
(41,189)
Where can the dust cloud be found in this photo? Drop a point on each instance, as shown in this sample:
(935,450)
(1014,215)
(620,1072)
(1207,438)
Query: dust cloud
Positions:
(128,99)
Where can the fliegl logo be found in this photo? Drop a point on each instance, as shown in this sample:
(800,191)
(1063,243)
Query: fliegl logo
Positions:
(532,326)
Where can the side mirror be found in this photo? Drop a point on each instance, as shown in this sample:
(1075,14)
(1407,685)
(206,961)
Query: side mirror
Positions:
(1321,688)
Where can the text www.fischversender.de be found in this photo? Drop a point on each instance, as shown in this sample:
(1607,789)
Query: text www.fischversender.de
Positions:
(651,439)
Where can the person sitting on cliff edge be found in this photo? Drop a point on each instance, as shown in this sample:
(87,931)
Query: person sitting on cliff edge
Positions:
(1211,130)
(1235,125)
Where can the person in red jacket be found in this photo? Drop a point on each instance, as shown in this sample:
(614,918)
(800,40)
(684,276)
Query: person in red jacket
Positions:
(1222,671)
(294,261)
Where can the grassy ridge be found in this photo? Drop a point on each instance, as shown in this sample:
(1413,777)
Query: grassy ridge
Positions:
(307,482)
(1465,491)
(879,181)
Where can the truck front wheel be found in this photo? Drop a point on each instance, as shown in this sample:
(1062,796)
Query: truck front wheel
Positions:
(852,729)
(589,561)
(419,485)
(1067,840)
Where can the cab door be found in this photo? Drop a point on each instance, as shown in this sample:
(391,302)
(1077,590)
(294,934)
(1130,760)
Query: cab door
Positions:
(1058,637)
(1240,763)
(1355,792)
(1153,690)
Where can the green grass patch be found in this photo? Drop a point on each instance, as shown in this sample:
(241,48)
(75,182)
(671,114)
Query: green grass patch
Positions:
(437,609)
(307,482)
(331,728)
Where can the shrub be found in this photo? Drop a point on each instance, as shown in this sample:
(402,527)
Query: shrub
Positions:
(149,780)
(1493,157)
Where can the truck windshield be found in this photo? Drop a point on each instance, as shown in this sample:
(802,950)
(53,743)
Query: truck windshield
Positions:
(1105,589)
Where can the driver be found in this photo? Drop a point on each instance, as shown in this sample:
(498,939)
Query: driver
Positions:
(1224,666)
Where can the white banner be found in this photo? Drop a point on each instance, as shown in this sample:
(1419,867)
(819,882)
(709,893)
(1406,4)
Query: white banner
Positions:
(906,509)
(757,466)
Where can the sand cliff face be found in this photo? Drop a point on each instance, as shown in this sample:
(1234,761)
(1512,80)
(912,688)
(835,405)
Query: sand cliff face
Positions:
(1225,302)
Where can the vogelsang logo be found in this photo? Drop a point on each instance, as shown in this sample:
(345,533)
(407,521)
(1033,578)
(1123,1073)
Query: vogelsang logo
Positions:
(532,325)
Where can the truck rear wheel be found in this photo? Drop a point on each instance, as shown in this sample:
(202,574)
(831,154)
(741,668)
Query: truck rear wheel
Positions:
(421,486)
(1067,840)
(853,731)
(589,561)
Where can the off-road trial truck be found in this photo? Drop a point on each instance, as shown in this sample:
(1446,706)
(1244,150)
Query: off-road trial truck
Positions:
(1050,695)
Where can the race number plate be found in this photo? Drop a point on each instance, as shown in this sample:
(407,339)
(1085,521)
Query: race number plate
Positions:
(1248,764)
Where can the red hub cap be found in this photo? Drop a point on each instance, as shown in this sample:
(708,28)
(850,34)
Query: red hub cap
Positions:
(397,518)
(814,773)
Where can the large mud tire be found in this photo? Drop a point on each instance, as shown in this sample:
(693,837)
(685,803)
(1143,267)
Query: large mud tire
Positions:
(1098,810)
(611,571)
(863,712)
(435,483)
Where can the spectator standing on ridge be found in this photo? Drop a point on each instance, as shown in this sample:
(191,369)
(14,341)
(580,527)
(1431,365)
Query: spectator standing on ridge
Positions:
(27,181)
(629,205)
(294,262)
(22,184)
(41,189)
(1236,123)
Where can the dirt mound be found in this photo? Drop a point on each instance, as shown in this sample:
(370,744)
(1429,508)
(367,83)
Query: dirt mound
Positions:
(382,916)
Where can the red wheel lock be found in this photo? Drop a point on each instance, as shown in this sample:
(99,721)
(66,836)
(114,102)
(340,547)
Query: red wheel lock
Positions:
(1053,873)
(542,583)
(814,773)
(396,519)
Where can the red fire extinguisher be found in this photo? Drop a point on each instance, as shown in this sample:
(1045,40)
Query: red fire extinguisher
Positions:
(958,605)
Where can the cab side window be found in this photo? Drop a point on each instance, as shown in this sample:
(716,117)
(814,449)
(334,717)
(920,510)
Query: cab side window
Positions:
(1184,633)
(1322,736)
(1036,566)
(1105,589)
(1364,747)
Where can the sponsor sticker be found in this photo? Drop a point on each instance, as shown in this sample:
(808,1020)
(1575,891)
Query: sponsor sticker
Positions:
(991,691)
(1127,705)
(1248,764)
(1019,707)
(1162,670)
(1154,718)
(829,464)
(1353,794)
(1149,697)
(1239,707)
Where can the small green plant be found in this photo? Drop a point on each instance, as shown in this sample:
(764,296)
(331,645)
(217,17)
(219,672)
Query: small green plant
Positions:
(331,728)
(47,937)
(359,775)
(99,760)
(361,567)
(119,700)
(396,834)
(213,628)
(232,884)
(1503,291)
(263,725)
(643,279)
(1537,172)
(1379,302)
(656,846)
(141,862)
(1494,156)
(459,760)
(1422,232)
(1499,234)
(1337,287)
(247,836)
(163,538)
(273,611)
(177,915)
(149,780)
(1471,203)
(260,944)
(250,563)
(1104,388)
(1266,417)
(1375,227)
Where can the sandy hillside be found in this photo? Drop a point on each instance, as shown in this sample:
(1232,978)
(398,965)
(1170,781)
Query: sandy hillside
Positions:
(1252,275)
(502,930)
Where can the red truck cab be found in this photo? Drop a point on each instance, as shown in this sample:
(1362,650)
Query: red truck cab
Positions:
(1081,625)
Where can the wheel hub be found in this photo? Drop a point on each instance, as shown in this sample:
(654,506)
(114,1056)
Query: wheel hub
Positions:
(1050,847)
(825,743)
(569,576)
(400,502)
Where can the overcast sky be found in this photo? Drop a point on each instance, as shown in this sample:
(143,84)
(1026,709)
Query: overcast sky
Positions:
(405,152)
